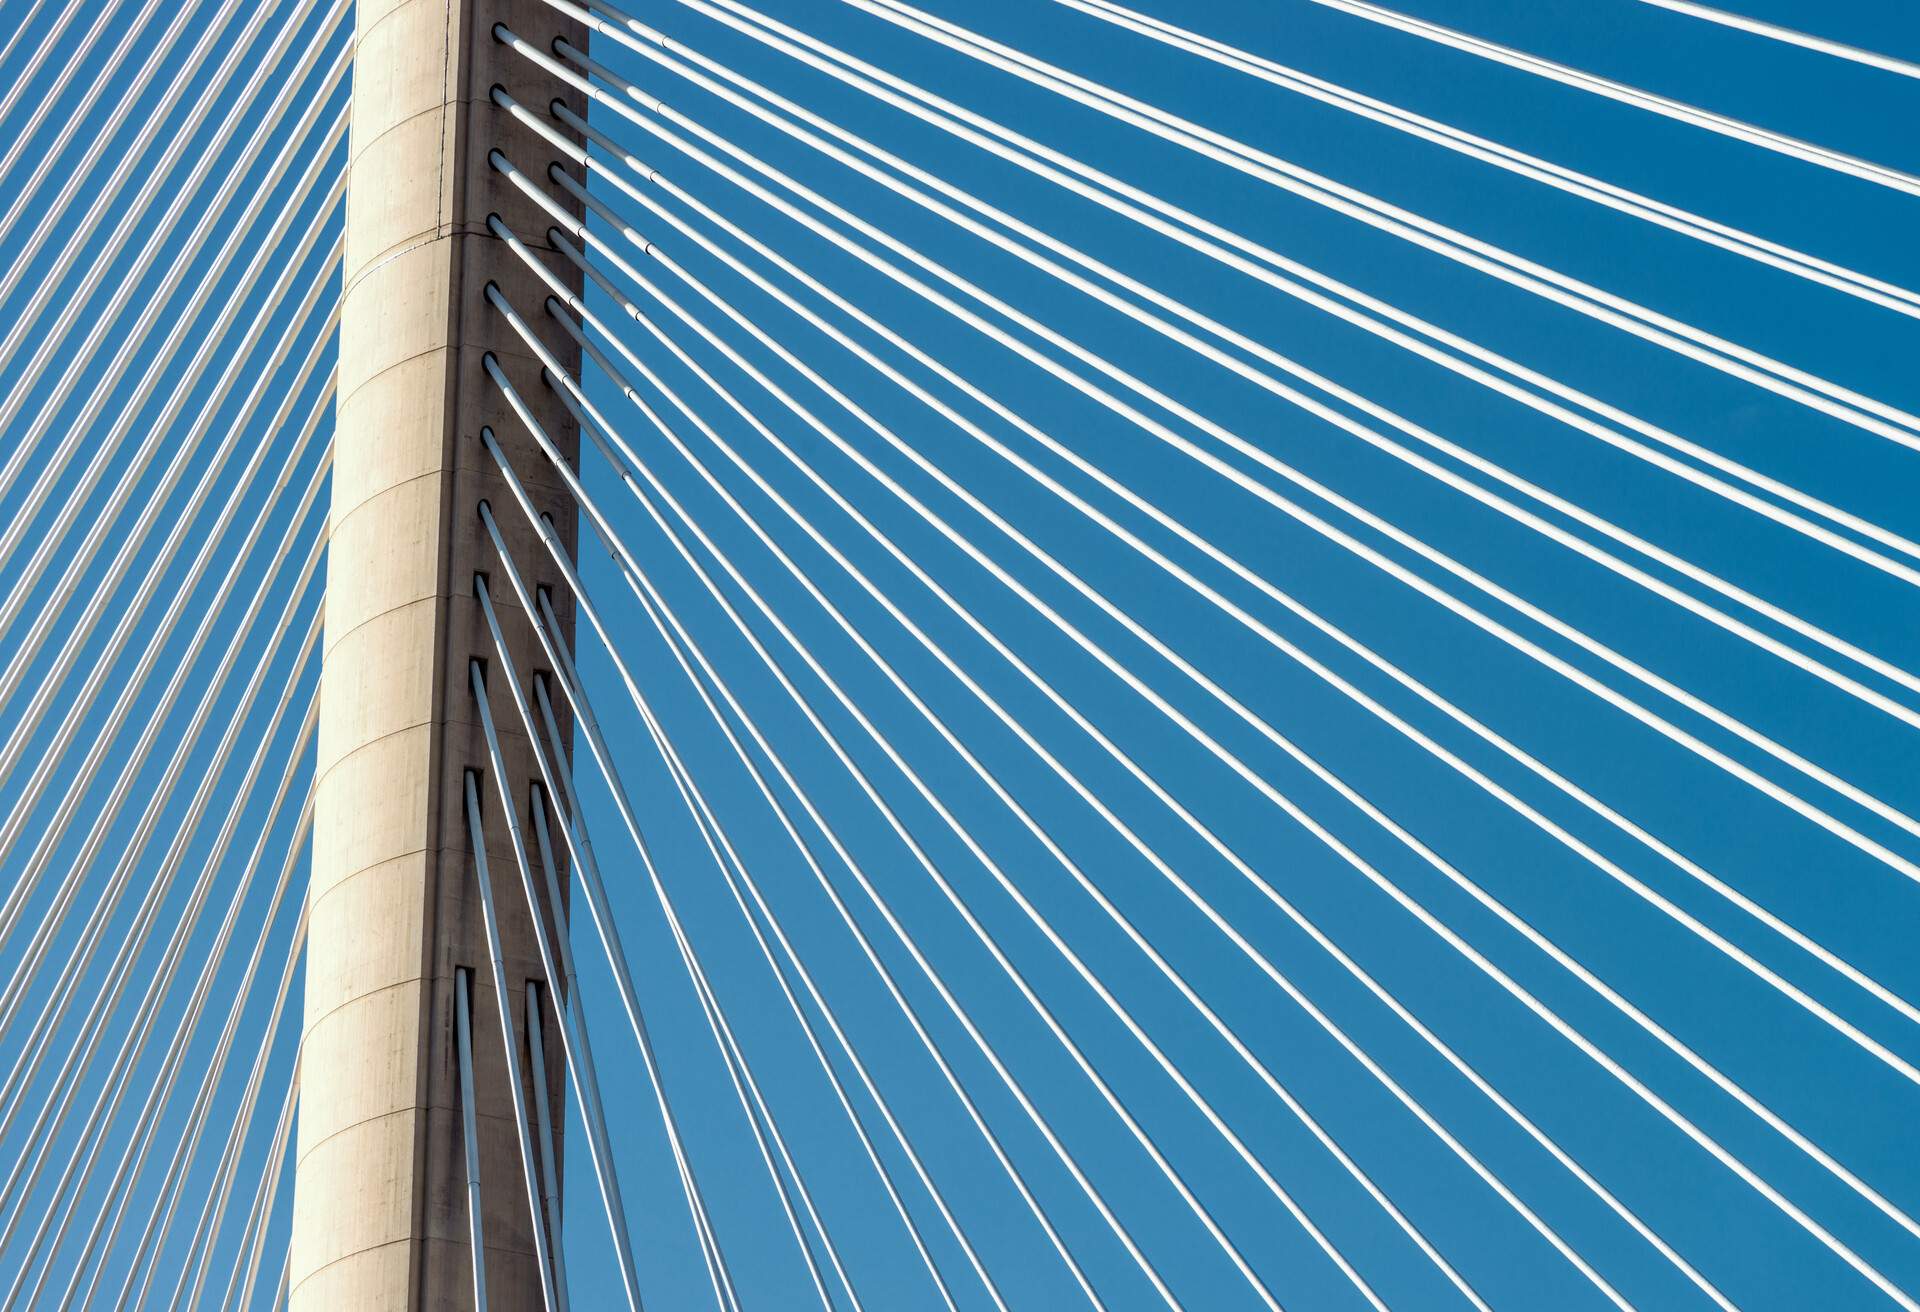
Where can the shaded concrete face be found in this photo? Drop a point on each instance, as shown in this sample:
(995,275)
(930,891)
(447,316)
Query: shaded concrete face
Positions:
(380,1211)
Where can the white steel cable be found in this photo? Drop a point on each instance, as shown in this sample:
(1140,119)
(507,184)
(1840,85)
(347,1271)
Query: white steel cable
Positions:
(1805,40)
(547,628)
(158,234)
(1845,683)
(1612,1067)
(155,569)
(1721,124)
(155,562)
(76,115)
(1347,541)
(112,448)
(561,560)
(1093,470)
(1816,393)
(213,1213)
(127,623)
(20,80)
(63,992)
(739,1072)
(463,1043)
(1706,1069)
(1724,236)
(149,1116)
(70,62)
(543,1115)
(922,858)
(1060,856)
(134,940)
(140,1029)
(746,1089)
(1053,165)
(1213,916)
(1600,862)
(1259,960)
(575,1043)
(214,1208)
(588,868)
(74,493)
(517,1097)
(260,1213)
(587,865)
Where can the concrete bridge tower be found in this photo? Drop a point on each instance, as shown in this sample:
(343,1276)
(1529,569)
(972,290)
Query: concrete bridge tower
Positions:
(380,1212)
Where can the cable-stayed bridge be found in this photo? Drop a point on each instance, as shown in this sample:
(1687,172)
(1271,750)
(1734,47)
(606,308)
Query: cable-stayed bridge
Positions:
(1012,655)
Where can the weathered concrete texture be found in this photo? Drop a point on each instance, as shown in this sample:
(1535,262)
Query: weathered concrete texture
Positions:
(380,1220)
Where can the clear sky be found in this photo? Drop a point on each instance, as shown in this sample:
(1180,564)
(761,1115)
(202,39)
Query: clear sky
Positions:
(1847,1103)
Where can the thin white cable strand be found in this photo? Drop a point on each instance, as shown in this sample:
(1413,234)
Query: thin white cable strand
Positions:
(112,447)
(74,116)
(140,1029)
(159,235)
(1534,522)
(1074,871)
(576,1045)
(149,1117)
(1198,1100)
(159,633)
(1533,650)
(1186,534)
(1161,649)
(1045,1014)
(214,1209)
(1726,237)
(72,60)
(1413,907)
(1812,391)
(1425,350)
(477,839)
(134,941)
(1259,960)
(65,989)
(156,636)
(191,75)
(1805,40)
(1173,1176)
(174,1180)
(155,563)
(607,927)
(1266,966)
(1513,921)
(476,1228)
(543,1114)
(561,560)
(1266,633)
(260,1216)
(547,629)
(1108,183)
(573,1025)
(1750,133)
(737,1068)
(1085,1186)
(531,1147)
(71,494)
(45,47)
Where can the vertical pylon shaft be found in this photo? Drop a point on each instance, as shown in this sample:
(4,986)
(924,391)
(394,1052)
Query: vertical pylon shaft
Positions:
(380,1207)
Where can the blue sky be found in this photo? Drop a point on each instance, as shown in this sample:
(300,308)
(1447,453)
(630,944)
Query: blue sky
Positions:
(1849,1104)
